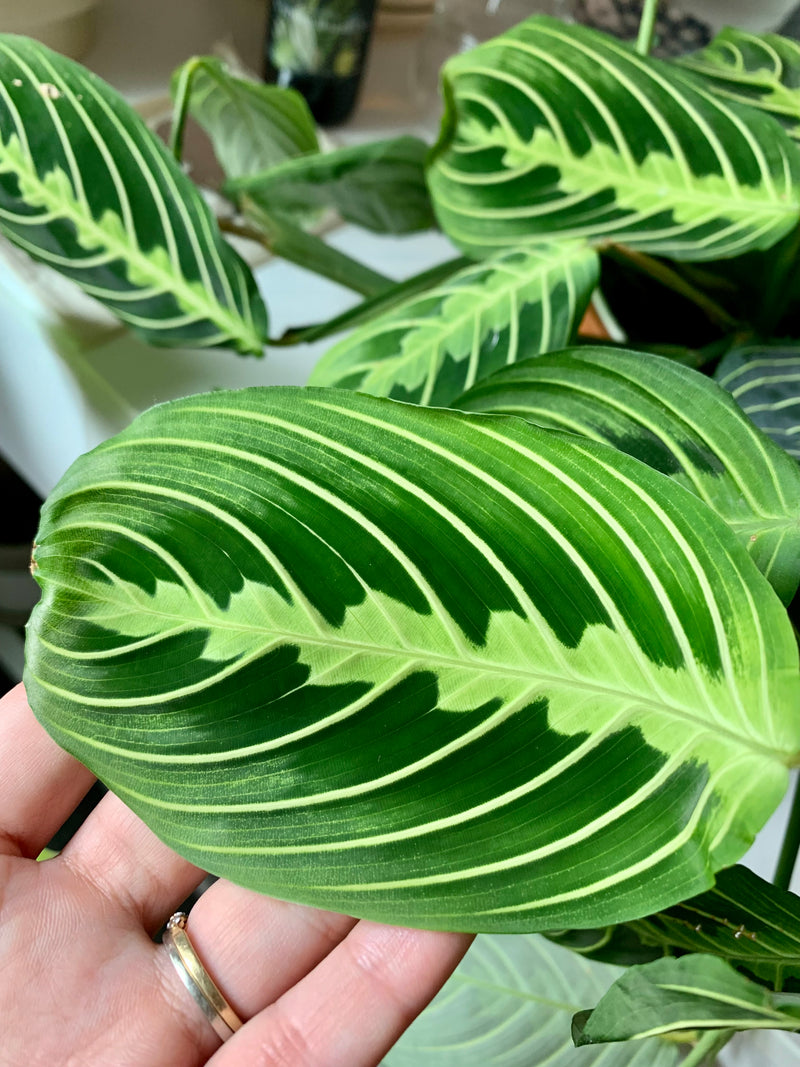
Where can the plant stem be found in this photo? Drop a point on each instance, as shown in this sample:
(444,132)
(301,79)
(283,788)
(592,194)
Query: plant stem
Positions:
(290,242)
(660,272)
(707,1047)
(791,843)
(647,25)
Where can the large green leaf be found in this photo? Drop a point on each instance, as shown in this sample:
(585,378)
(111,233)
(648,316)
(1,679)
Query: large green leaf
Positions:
(762,71)
(435,668)
(694,992)
(510,1004)
(743,919)
(379,185)
(555,129)
(252,126)
(676,420)
(86,188)
(765,382)
(430,348)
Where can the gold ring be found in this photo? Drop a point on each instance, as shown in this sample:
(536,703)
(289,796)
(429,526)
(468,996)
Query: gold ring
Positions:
(197,979)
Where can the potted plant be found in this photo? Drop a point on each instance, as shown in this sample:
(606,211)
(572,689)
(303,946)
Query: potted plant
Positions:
(484,630)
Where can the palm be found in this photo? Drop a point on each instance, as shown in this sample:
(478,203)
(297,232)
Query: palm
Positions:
(83,981)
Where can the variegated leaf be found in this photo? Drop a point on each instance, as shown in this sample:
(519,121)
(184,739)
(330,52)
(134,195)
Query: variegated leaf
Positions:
(765,382)
(434,346)
(449,670)
(694,992)
(86,188)
(557,129)
(762,71)
(510,1004)
(745,920)
(252,126)
(676,420)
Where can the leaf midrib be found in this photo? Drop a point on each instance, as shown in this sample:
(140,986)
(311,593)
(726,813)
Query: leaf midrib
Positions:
(424,657)
(174,283)
(757,206)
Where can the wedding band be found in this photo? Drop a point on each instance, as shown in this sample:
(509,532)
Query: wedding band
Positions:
(197,979)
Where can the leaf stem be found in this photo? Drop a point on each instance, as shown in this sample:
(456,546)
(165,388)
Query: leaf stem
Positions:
(284,239)
(790,845)
(707,1047)
(647,26)
(664,274)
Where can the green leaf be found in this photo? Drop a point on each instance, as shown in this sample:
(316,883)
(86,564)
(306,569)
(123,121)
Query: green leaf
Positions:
(252,126)
(765,382)
(86,188)
(749,922)
(762,71)
(379,185)
(678,422)
(692,993)
(557,129)
(430,348)
(442,669)
(510,1003)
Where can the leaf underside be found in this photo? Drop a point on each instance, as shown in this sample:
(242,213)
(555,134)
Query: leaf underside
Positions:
(87,189)
(555,129)
(510,1002)
(252,126)
(377,657)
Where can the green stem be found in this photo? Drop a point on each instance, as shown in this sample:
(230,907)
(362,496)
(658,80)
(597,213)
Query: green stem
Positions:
(292,243)
(647,26)
(791,844)
(374,306)
(660,272)
(706,1049)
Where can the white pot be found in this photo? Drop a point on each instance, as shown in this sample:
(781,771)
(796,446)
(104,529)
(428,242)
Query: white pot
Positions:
(66,25)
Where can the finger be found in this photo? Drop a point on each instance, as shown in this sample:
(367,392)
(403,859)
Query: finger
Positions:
(254,948)
(350,1010)
(41,784)
(117,853)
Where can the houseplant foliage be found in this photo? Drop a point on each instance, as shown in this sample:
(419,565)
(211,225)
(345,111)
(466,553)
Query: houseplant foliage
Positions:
(515,654)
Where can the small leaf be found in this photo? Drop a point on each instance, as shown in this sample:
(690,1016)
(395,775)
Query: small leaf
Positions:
(762,71)
(765,383)
(379,185)
(510,1003)
(555,129)
(692,993)
(86,188)
(678,422)
(430,348)
(252,126)
(435,668)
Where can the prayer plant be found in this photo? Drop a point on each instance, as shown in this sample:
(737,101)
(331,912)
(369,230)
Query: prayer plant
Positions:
(487,629)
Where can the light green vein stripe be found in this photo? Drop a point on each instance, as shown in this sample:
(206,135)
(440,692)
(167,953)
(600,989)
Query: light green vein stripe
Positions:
(330,796)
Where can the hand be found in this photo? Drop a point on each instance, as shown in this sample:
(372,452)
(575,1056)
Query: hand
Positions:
(84,985)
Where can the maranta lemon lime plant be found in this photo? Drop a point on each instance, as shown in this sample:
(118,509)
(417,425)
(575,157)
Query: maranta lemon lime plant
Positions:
(486,629)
